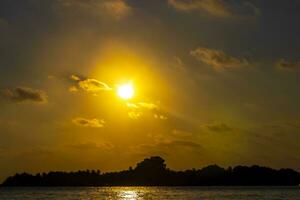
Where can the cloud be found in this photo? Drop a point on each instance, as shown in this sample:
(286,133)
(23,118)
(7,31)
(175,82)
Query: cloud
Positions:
(276,125)
(178,64)
(88,84)
(24,94)
(287,65)
(75,77)
(160,116)
(116,9)
(174,140)
(185,143)
(181,133)
(93,123)
(131,105)
(134,115)
(219,60)
(218,127)
(93,85)
(167,147)
(73,89)
(137,110)
(92,146)
(217,8)
(213,7)
(150,106)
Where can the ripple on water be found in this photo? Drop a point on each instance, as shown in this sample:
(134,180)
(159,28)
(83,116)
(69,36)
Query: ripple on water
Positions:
(159,193)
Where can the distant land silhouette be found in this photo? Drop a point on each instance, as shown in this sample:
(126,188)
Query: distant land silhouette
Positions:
(153,172)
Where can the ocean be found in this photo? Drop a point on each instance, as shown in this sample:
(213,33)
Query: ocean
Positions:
(157,193)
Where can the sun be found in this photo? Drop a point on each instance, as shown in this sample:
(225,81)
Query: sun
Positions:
(125,91)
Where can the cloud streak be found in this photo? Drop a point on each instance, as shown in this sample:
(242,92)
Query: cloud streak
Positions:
(92,123)
(88,84)
(217,8)
(92,146)
(165,147)
(219,60)
(137,110)
(287,65)
(93,85)
(116,9)
(218,127)
(24,94)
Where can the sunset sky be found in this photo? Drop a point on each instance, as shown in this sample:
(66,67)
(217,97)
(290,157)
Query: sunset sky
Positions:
(102,84)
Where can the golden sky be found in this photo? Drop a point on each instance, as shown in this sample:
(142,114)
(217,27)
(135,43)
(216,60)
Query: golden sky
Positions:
(101,84)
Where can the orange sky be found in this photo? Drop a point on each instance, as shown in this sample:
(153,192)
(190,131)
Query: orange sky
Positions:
(214,82)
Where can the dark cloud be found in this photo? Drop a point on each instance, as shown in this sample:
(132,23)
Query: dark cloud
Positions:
(283,125)
(217,8)
(288,65)
(185,143)
(218,59)
(24,94)
(218,127)
(181,133)
(94,123)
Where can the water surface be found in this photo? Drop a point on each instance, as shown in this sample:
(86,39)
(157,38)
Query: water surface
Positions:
(159,193)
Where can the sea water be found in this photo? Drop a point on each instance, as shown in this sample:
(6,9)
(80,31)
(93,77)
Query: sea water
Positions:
(159,193)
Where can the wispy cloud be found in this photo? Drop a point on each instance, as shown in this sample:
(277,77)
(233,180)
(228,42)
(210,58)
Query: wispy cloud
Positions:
(178,64)
(93,85)
(137,110)
(117,9)
(88,84)
(217,8)
(287,65)
(218,127)
(165,147)
(24,94)
(73,89)
(134,114)
(93,123)
(160,116)
(92,146)
(145,105)
(219,60)
(150,106)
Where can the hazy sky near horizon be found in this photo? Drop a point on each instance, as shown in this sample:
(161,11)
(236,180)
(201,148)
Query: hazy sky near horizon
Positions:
(216,81)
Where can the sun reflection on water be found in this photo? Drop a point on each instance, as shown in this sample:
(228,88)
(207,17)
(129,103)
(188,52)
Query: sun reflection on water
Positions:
(128,195)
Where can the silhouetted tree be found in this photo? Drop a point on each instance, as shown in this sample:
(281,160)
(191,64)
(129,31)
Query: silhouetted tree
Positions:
(153,171)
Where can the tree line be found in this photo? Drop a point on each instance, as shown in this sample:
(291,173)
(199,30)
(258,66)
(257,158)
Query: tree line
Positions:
(154,172)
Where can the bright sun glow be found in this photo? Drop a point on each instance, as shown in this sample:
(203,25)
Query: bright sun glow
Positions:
(126,91)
